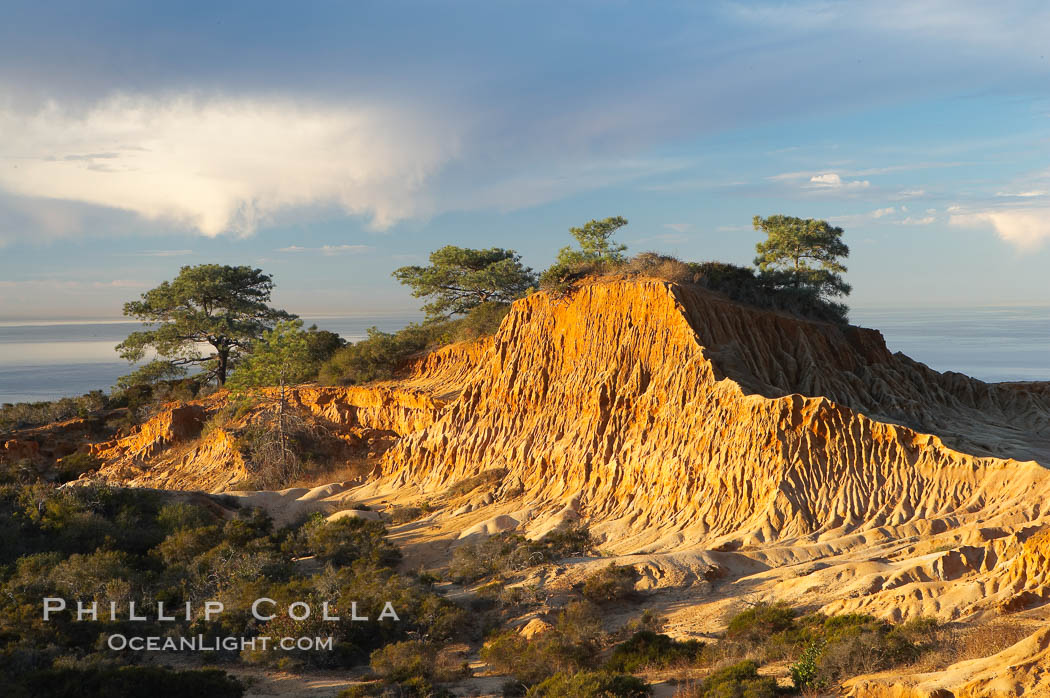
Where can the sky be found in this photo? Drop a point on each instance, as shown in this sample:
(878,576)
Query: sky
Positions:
(329,143)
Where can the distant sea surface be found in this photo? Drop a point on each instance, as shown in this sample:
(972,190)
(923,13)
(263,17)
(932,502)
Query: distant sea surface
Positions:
(44,361)
(993,344)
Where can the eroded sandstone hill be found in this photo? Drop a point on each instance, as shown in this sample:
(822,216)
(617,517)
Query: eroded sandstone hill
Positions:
(797,460)
(676,413)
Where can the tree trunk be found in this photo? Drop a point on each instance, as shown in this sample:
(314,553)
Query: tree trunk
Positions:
(223,357)
(280,429)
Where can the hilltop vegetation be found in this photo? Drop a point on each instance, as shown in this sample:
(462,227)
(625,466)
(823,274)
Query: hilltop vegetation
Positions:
(469,291)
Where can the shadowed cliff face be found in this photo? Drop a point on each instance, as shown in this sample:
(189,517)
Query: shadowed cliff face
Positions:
(775,355)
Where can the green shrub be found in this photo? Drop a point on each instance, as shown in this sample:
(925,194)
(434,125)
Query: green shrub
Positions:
(612,583)
(856,644)
(100,543)
(21,415)
(570,646)
(364,690)
(343,541)
(76,464)
(179,515)
(400,662)
(739,680)
(481,321)
(591,684)
(375,358)
(757,624)
(769,289)
(382,354)
(805,673)
(647,649)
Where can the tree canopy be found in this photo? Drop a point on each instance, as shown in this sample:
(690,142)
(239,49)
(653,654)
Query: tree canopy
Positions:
(208,305)
(460,279)
(595,239)
(596,250)
(281,357)
(803,254)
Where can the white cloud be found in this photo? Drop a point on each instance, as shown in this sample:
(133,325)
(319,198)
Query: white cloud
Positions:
(832,180)
(886,216)
(328,250)
(1023,194)
(1026,229)
(679,227)
(221,165)
(925,220)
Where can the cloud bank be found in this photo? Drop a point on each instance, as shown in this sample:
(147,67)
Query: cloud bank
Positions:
(1026,229)
(224,165)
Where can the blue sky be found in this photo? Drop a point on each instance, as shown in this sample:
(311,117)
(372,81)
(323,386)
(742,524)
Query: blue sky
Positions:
(330,142)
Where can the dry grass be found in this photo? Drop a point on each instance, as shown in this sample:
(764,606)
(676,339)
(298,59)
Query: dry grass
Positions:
(351,470)
(952,645)
(659,266)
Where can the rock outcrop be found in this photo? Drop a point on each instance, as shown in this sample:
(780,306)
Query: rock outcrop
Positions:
(681,418)
(174,449)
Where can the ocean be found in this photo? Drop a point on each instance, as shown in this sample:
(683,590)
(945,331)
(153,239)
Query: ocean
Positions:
(993,344)
(45,361)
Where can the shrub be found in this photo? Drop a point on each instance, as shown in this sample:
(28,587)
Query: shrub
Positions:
(402,515)
(647,649)
(373,358)
(739,680)
(508,552)
(562,275)
(382,354)
(769,289)
(859,644)
(757,624)
(402,661)
(805,673)
(481,321)
(280,443)
(591,684)
(465,486)
(660,266)
(613,583)
(569,647)
(76,464)
(20,415)
(176,516)
(343,541)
